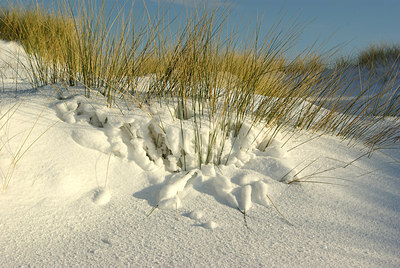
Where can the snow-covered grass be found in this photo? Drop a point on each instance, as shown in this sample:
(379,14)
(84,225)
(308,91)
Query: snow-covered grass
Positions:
(208,100)
(209,77)
(88,194)
(214,144)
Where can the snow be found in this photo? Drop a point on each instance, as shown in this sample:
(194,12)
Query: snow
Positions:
(98,188)
(196,214)
(102,197)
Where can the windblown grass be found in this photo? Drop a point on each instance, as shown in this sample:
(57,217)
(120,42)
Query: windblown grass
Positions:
(214,80)
(372,57)
(379,56)
(46,36)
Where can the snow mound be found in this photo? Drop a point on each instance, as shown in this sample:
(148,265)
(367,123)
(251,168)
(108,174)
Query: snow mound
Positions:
(102,197)
(210,225)
(237,182)
(196,215)
(81,194)
(14,63)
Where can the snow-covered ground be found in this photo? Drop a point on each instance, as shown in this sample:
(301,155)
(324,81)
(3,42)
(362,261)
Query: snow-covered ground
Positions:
(92,187)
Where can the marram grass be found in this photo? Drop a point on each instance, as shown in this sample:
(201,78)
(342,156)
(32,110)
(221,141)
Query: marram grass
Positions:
(206,72)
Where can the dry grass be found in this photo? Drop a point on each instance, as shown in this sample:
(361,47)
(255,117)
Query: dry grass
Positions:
(47,37)
(207,73)
(379,55)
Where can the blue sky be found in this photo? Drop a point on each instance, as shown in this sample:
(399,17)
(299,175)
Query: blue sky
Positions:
(352,24)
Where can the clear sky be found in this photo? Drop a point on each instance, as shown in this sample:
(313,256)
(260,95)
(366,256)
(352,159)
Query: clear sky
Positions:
(352,24)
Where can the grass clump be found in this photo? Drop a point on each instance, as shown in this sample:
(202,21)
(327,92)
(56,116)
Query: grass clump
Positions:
(379,56)
(221,87)
(45,35)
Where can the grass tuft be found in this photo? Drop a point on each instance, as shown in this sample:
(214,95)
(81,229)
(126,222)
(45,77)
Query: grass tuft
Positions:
(223,88)
(379,56)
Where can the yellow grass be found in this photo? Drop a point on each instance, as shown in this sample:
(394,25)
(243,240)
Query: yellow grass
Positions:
(200,67)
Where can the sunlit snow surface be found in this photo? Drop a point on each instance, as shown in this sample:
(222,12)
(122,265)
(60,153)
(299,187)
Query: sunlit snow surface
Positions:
(96,190)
